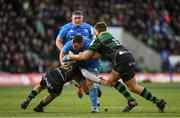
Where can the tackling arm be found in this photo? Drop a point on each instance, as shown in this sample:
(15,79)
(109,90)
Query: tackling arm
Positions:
(81,56)
(93,77)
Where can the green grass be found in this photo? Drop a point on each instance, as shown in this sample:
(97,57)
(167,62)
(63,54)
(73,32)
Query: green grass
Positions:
(69,105)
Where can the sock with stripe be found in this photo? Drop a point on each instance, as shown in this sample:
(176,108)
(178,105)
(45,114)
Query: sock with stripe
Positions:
(122,89)
(32,94)
(148,96)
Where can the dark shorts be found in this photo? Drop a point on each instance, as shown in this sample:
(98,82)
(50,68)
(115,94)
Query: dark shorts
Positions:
(52,81)
(125,66)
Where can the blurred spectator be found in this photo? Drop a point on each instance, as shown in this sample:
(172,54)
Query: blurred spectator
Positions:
(177,67)
(28,27)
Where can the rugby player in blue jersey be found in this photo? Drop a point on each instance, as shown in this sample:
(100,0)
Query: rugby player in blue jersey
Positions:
(76,46)
(67,32)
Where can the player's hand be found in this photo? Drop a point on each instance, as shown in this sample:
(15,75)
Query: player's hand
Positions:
(66,64)
(70,55)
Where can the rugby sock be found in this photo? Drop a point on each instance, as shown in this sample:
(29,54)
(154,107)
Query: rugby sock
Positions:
(41,104)
(122,89)
(148,96)
(93,97)
(32,94)
(99,92)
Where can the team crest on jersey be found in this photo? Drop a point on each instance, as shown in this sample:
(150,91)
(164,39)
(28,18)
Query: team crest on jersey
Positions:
(71,30)
(86,30)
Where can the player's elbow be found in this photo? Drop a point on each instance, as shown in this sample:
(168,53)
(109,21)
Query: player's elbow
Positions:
(58,44)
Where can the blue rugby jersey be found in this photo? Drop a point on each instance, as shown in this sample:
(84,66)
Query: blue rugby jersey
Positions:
(92,65)
(68,31)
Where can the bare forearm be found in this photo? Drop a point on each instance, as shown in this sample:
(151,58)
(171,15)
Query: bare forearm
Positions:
(81,56)
(59,44)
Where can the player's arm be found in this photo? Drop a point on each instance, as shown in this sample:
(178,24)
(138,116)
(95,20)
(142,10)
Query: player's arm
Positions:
(88,53)
(59,43)
(96,55)
(63,55)
(93,77)
(61,37)
(81,56)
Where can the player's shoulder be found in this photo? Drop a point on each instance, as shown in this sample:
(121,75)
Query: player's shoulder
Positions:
(67,26)
(87,41)
(68,44)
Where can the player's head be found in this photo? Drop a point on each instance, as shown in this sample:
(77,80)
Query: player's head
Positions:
(77,18)
(77,42)
(100,27)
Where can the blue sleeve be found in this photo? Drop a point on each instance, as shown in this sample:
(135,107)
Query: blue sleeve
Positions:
(91,31)
(87,42)
(66,48)
(62,33)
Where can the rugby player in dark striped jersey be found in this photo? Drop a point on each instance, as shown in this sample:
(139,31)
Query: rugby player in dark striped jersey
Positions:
(123,65)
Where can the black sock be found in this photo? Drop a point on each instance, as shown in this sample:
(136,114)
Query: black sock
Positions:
(122,89)
(148,96)
(32,94)
(42,104)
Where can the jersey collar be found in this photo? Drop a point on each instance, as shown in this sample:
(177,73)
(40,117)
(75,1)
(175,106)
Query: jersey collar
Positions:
(77,26)
(102,33)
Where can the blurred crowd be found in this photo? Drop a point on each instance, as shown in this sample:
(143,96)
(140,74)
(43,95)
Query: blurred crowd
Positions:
(28,28)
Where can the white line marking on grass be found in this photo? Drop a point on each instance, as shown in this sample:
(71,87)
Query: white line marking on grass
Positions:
(175,108)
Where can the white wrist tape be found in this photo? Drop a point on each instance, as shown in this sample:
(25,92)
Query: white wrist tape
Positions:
(89,75)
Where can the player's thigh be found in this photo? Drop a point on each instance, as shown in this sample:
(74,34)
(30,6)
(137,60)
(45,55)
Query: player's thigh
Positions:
(113,77)
(90,84)
(38,88)
(84,86)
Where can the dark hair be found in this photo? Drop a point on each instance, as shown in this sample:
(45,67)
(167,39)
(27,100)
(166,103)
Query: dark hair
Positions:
(100,26)
(77,39)
(77,12)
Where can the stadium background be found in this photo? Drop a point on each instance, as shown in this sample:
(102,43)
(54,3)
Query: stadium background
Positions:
(28,29)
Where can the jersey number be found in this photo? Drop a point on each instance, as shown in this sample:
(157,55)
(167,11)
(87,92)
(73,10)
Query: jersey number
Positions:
(116,41)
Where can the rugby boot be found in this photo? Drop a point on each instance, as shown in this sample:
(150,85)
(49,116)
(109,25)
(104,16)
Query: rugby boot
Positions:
(25,103)
(161,105)
(38,109)
(95,110)
(130,105)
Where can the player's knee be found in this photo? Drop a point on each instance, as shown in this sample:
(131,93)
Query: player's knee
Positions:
(132,88)
(110,83)
(90,84)
(54,95)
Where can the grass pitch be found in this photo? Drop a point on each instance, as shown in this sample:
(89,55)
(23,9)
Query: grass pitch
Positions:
(69,105)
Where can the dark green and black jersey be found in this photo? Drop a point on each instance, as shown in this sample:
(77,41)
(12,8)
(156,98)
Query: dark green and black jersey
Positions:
(106,45)
(121,59)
